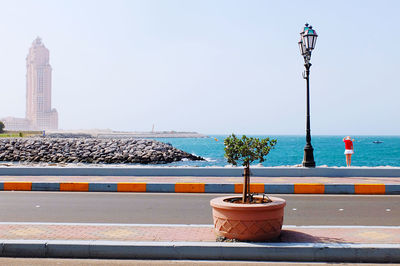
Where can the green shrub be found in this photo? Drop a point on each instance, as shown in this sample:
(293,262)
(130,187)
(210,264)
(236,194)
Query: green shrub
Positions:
(245,151)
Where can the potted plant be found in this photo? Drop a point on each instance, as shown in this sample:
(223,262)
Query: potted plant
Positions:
(250,217)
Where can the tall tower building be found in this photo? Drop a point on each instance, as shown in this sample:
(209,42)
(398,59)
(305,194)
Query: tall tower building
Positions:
(38,88)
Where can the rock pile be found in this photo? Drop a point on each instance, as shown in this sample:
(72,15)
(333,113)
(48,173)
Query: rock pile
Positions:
(90,150)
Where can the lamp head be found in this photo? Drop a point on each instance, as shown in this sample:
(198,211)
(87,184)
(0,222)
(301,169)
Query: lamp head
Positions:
(309,37)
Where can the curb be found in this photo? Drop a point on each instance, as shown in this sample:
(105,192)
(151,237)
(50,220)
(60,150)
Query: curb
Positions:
(310,252)
(306,188)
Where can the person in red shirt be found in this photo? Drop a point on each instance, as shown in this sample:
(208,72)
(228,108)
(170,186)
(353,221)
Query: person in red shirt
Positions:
(349,150)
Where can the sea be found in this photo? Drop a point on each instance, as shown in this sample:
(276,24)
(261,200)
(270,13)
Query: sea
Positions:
(289,150)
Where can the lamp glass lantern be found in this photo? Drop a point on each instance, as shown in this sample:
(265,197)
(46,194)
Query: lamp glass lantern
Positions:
(309,37)
(302,47)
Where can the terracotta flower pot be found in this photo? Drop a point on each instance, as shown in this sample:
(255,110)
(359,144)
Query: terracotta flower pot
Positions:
(248,222)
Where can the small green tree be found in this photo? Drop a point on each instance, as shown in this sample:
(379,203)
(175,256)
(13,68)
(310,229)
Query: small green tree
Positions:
(2,126)
(245,151)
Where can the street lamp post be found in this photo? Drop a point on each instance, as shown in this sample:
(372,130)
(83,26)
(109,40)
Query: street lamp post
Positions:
(307,43)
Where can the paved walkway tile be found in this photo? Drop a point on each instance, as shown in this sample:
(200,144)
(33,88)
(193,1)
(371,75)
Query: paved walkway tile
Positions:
(207,180)
(105,232)
(193,233)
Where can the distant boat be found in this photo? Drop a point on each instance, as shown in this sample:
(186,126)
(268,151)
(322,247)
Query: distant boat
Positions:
(377,142)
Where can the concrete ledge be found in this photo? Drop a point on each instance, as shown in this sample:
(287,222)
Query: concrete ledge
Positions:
(202,171)
(25,248)
(392,190)
(339,189)
(310,252)
(45,186)
(307,188)
(160,187)
(103,187)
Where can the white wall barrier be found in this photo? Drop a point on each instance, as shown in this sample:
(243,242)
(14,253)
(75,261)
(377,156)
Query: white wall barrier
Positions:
(202,171)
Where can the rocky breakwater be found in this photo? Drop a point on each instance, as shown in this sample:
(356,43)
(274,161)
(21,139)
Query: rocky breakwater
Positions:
(90,150)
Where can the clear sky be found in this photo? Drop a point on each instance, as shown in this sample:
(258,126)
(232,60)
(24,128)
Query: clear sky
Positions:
(208,66)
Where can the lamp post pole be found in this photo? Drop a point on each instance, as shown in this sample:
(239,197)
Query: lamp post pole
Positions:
(308,38)
(308,160)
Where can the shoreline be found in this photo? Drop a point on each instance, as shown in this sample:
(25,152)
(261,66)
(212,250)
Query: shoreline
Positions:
(124,135)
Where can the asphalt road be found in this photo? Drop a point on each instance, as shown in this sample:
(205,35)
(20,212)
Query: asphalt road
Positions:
(157,208)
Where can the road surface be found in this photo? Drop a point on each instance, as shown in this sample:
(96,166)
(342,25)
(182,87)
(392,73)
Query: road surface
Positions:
(171,208)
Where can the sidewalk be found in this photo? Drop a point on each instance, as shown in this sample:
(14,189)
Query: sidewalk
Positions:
(141,241)
(192,233)
(196,184)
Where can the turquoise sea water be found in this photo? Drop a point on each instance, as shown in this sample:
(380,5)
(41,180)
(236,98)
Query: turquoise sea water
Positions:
(328,150)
